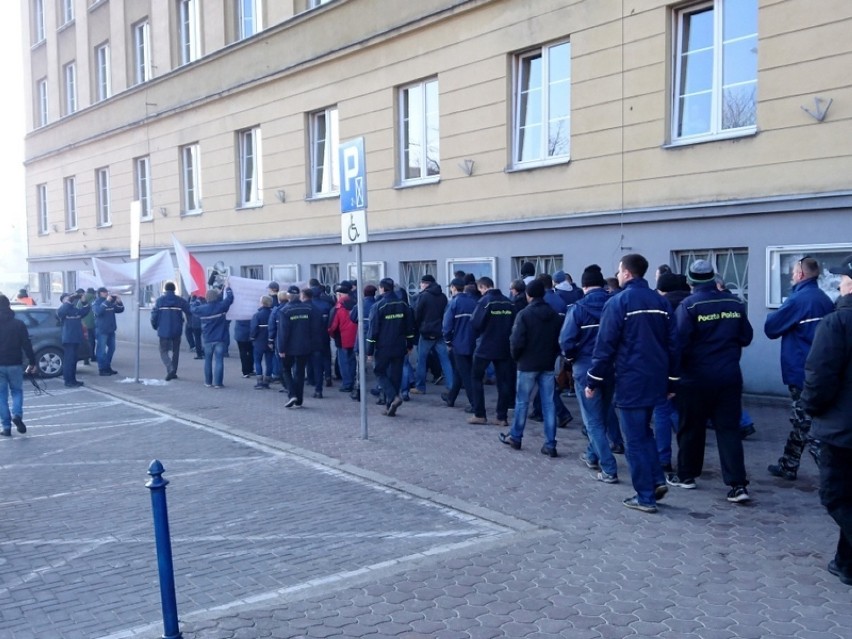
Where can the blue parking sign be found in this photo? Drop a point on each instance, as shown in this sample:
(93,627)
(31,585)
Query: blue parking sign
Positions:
(353,176)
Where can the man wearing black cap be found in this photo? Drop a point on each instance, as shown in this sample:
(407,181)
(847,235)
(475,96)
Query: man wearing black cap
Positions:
(827,395)
(713,328)
(167,319)
(14,343)
(796,323)
(428,317)
(105,309)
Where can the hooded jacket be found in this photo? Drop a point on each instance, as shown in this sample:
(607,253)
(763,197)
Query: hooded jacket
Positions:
(167,315)
(577,337)
(14,340)
(796,323)
(827,394)
(534,342)
(429,311)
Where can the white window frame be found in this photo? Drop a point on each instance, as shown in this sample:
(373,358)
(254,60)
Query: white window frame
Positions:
(70,188)
(454,264)
(38,21)
(251,168)
(372,273)
(41,204)
(545,157)
(69,74)
(415,122)
(189,35)
(249,18)
(317,3)
(190,171)
(284,273)
(41,102)
(716,131)
(142,181)
(103,81)
(67,12)
(103,197)
(142,69)
(324,152)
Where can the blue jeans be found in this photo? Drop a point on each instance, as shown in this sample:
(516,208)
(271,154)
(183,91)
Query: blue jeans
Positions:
(105,350)
(645,470)
(665,422)
(526,381)
(425,345)
(594,412)
(214,350)
(407,376)
(346,362)
(262,356)
(11,381)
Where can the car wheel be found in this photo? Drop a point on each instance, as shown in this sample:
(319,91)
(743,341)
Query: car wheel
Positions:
(49,362)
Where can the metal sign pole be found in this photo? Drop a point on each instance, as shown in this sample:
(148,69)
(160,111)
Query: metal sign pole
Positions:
(135,249)
(362,344)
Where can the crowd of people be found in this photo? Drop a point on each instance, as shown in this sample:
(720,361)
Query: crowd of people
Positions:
(646,363)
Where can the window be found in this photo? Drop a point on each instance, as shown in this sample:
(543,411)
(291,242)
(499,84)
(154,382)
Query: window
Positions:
(102,75)
(411,272)
(190,172)
(142,178)
(249,19)
(188,32)
(67,11)
(542,108)
(731,264)
(250,169)
(253,272)
(419,140)
(284,273)
(325,142)
(142,51)
(326,274)
(70,203)
(373,273)
(478,266)
(38,21)
(102,182)
(70,74)
(543,264)
(41,202)
(715,83)
(41,102)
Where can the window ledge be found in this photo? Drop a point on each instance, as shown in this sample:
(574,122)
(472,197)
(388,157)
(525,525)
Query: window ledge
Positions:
(65,26)
(249,205)
(104,226)
(149,218)
(191,213)
(734,135)
(410,184)
(517,168)
(319,197)
(73,229)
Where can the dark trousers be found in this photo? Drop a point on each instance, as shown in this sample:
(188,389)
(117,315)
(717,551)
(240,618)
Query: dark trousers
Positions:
(246,357)
(193,337)
(800,435)
(69,363)
(835,493)
(503,373)
(462,369)
(389,375)
(721,406)
(170,345)
(293,370)
(90,335)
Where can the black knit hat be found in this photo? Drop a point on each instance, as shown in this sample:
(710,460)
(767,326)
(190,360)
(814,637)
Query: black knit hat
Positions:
(535,289)
(592,276)
(700,272)
(668,282)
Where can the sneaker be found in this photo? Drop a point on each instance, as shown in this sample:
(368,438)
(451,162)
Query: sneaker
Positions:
(405,396)
(549,451)
(445,397)
(171,376)
(617,449)
(6,432)
(74,385)
(104,373)
(633,503)
(747,431)
(417,391)
(218,386)
(291,402)
(738,494)
(591,465)
(833,568)
(113,371)
(504,423)
(438,380)
(476,420)
(208,386)
(563,423)
(261,386)
(246,375)
(510,441)
(536,418)
(777,470)
(673,480)
(198,357)
(607,478)
(318,395)
(394,405)
(660,491)
(19,424)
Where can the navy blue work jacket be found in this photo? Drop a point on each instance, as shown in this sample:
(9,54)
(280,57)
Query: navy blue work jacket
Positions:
(456,326)
(105,312)
(580,328)
(167,315)
(297,321)
(212,316)
(492,322)
(391,327)
(259,327)
(72,325)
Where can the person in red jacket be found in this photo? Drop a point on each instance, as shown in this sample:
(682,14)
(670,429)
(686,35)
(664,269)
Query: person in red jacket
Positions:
(344,331)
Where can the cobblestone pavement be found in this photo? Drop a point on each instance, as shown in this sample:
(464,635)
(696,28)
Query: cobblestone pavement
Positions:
(286,523)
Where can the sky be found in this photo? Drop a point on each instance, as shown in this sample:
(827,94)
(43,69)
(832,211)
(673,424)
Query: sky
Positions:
(12,214)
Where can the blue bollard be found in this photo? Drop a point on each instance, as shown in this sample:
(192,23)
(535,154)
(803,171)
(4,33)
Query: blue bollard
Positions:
(157,485)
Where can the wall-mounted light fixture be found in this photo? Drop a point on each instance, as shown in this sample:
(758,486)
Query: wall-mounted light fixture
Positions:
(55,228)
(282,197)
(164,212)
(821,108)
(466,167)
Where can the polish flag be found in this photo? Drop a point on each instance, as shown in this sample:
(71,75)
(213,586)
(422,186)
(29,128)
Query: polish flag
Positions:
(190,269)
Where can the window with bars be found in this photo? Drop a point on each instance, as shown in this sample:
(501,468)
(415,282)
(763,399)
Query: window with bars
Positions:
(731,264)
(411,272)
(252,272)
(543,264)
(326,274)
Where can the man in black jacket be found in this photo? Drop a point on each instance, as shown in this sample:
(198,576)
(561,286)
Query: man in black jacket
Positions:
(14,342)
(534,345)
(294,342)
(391,338)
(428,315)
(827,397)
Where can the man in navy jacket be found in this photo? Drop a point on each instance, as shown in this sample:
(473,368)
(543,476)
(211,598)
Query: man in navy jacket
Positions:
(637,344)
(105,308)
(390,340)
(167,319)
(796,323)
(70,316)
(214,332)
(459,336)
(294,342)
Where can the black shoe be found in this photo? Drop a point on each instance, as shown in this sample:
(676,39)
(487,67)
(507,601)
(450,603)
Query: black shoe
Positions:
(536,418)
(104,373)
(381,400)
(405,396)
(345,389)
(19,424)
(6,433)
(660,491)
(198,357)
(446,399)
(291,402)
(738,495)
(777,470)
(747,431)
(835,570)
(74,385)
(375,392)
(113,372)
(469,410)
(673,480)
(171,376)
(617,449)
(510,441)
(394,405)
(328,382)
(563,423)
(550,452)
(355,396)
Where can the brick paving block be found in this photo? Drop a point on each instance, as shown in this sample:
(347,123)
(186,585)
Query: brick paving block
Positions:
(814,634)
(391,629)
(484,632)
(608,631)
(426,626)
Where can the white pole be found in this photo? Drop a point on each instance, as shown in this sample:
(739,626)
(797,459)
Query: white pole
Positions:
(362,350)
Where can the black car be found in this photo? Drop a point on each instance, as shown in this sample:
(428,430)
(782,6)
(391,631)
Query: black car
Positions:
(46,337)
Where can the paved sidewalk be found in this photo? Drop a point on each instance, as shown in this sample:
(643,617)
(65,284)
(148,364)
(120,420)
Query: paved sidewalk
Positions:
(573,561)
